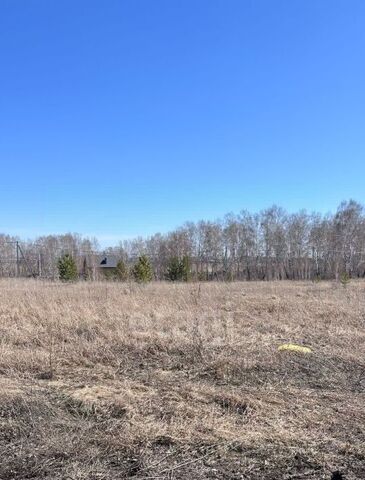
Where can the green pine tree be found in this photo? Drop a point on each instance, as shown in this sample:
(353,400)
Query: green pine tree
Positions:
(121,271)
(67,268)
(185,269)
(85,270)
(179,270)
(142,270)
(174,272)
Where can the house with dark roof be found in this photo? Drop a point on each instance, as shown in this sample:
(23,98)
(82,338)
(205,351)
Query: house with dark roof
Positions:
(107,263)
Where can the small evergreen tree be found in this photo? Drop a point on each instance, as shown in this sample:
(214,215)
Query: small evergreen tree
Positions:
(179,270)
(121,271)
(185,269)
(85,270)
(142,270)
(67,268)
(345,279)
(174,270)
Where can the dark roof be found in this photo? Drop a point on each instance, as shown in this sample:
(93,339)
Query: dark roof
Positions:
(108,261)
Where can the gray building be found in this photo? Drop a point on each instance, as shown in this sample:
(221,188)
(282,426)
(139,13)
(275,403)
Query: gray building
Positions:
(107,263)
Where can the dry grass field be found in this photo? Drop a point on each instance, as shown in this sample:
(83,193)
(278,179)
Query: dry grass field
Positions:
(105,381)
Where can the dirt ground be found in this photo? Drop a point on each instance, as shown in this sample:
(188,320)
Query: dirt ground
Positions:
(104,381)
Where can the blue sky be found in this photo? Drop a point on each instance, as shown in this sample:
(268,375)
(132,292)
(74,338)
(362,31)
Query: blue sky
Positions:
(127,117)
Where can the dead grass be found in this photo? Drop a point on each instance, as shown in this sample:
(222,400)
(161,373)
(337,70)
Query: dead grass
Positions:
(108,381)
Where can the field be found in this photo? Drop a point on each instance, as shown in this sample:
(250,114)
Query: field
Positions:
(181,381)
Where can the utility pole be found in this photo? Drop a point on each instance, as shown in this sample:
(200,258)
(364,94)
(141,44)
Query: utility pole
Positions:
(17,259)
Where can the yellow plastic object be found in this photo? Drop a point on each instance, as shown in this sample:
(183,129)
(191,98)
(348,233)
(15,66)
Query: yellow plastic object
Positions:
(295,348)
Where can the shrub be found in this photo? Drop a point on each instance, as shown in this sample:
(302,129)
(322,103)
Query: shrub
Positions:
(316,278)
(142,270)
(228,276)
(67,269)
(121,271)
(345,279)
(109,275)
(203,276)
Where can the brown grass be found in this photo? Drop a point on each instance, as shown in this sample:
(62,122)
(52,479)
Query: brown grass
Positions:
(109,381)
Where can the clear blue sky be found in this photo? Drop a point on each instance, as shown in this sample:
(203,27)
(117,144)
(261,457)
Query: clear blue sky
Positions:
(127,117)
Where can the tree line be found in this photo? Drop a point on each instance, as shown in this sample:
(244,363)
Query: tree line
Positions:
(270,245)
